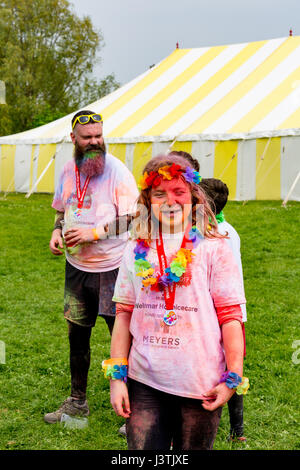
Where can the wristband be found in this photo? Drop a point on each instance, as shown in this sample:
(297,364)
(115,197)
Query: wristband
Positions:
(233,380)
(95,234)
(115,368)
(100,233)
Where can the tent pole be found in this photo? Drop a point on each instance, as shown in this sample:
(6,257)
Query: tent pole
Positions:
(262,157)
(8,187)
(40,177)
(268,171)
(291,190)
(45,169)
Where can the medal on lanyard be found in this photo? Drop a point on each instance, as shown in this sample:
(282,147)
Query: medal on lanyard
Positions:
(80,194)
(170,318)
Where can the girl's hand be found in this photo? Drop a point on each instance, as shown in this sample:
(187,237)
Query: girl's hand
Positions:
(217,397)
(119,398)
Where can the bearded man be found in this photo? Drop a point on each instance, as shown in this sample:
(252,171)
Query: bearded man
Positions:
(94,189)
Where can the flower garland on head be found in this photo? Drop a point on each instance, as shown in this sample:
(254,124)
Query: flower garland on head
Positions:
(174,272)
(168,172)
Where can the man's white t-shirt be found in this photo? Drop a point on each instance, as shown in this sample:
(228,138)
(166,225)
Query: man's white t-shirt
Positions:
(235,244)
(112,194)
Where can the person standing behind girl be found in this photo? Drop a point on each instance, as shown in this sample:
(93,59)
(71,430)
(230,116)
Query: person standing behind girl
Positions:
(178,321)
(217,193)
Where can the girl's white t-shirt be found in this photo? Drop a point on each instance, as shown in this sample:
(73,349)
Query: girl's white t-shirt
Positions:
(185,359)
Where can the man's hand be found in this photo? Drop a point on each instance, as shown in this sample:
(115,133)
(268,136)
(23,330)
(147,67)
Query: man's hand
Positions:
(119,398)
(217,397)
(56,242)
(75,236)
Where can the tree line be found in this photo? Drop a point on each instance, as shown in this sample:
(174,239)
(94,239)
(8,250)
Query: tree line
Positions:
(47,59)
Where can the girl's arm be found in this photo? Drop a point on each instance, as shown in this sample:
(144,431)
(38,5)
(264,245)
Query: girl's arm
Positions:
(233,342)
(227,293)
(120,346)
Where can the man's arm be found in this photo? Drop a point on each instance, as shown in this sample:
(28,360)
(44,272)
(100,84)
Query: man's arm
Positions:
(121,224)
(56,240)
(76,235)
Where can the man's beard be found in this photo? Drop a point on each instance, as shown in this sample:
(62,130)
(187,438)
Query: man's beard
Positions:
(90,160)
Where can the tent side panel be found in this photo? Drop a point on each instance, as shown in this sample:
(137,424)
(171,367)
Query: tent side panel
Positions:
(253,169)
(246,167)
(118,151)
(182,147)
(129,156)
(32,156)
(160,148)
(268,154)
(290,167)
(34,165)
(46,184)
(7,167)
(23,168)
(225,165)
(64,153)
(204,152)
(141,155)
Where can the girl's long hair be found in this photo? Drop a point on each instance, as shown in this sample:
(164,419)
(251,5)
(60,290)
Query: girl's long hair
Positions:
(143,226)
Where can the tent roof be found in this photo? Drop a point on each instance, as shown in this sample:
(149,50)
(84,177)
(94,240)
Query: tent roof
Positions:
(246,90)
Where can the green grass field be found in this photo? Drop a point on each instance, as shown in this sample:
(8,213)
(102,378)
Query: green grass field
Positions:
(34,378)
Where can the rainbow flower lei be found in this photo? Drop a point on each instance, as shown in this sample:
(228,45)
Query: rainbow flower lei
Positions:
(220,217)
(174,272)
(168,172)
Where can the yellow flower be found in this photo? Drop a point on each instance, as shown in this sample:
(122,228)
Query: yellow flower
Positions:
(181,258)
(164,171)
(149,281)
(147,272)
(188,254)
(142,182)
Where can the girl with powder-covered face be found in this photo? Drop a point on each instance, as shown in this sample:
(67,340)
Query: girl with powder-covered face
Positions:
(178,321)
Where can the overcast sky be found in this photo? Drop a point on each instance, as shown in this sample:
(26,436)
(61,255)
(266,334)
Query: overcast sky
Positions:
(140,33)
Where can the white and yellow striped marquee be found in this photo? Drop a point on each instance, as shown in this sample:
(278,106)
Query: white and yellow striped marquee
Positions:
(236,108)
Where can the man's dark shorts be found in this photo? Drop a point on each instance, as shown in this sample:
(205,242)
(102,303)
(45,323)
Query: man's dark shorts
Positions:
(88,295)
